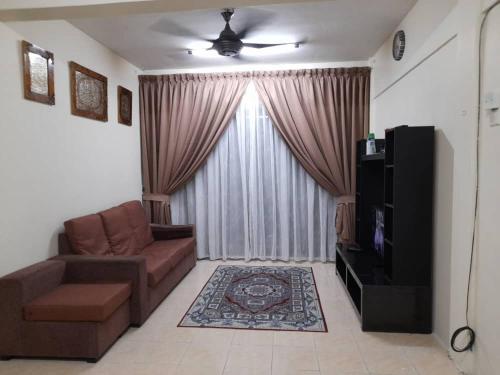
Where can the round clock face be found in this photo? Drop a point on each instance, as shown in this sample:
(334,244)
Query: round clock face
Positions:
(398,45)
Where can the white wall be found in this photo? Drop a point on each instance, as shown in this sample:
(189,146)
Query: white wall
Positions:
(436,84)
(53,165)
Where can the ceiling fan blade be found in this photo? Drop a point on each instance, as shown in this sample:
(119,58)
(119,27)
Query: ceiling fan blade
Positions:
(262,50)
(166,26)
(262,45)
(252,20)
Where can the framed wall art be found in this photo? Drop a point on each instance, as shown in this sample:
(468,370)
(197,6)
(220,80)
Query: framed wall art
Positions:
(38,74)
(124,106)
(89,93)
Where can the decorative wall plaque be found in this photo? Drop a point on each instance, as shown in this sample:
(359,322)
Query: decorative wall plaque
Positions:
(124,106)
(89,93)
(38,68)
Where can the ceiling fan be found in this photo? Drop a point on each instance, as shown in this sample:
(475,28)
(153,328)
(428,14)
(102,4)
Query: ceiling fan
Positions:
(230,44)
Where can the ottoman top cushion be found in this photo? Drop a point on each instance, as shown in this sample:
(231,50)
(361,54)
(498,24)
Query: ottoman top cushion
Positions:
(78,303)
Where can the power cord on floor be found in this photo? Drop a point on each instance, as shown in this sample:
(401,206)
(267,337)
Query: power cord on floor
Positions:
(466,333)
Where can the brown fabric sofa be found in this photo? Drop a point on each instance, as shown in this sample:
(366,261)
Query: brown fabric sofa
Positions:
(120,244)
(45,312)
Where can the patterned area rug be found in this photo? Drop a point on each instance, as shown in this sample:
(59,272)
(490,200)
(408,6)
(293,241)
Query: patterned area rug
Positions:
(268,298)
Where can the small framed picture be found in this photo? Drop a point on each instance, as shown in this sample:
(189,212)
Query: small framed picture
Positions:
(38,72)
(124,106)
(89,93)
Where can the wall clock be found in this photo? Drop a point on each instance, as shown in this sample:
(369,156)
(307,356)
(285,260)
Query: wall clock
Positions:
(398,45)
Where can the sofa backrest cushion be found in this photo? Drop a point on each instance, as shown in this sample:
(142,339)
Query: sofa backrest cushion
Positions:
(139,223)
(87,236)
(120,233)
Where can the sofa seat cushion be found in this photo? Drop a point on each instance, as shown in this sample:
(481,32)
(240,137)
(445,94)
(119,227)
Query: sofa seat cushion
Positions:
(162,256)
(78,303)
(139,223)
(120,233)
(87,236)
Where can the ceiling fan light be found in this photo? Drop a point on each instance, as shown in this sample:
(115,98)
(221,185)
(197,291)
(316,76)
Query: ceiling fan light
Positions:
(268,51)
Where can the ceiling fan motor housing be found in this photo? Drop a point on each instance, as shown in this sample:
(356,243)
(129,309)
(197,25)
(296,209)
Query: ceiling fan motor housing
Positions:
(228,43)
(228,46)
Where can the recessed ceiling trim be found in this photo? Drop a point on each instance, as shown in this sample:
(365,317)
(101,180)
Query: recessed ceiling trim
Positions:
(113,8)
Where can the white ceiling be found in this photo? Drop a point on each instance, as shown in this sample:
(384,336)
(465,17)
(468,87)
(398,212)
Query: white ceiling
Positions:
(339,30)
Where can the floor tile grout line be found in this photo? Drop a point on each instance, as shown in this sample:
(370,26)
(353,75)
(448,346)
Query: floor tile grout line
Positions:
(272,357)
(183,355)
(316,356)
(405,351)
(227,355)
(367,369)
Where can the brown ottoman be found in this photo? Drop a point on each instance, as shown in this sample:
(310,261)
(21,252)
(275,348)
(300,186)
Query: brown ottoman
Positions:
(44,317)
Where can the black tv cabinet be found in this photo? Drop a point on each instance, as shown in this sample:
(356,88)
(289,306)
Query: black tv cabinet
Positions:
(392,291)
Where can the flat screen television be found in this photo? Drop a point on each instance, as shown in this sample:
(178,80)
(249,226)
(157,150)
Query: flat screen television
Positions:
(377,232)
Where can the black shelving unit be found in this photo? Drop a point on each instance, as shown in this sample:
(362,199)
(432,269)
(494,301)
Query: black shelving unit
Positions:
(391,291)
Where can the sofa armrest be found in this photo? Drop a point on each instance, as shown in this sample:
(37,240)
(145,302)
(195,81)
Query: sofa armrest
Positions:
(11,311)
(96,269)
(19,288)
(169,232)
(37,279)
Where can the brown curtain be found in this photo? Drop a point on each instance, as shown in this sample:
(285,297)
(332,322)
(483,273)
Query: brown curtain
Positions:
(182,118)
(321,114)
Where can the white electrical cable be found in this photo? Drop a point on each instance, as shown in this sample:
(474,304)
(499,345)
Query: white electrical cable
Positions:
(469,343)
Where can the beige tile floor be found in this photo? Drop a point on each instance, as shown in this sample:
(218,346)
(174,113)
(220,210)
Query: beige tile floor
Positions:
(160,348)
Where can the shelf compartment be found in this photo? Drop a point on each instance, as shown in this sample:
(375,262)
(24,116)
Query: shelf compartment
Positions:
(341,268)
(354,292)
(389,146)
(388,224)
(388,259)
(380,305)
(389,185)
(377,156)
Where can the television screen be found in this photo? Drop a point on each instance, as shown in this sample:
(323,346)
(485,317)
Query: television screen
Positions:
(378,230)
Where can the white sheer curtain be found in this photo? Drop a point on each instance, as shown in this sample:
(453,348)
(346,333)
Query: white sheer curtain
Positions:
(253,200)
